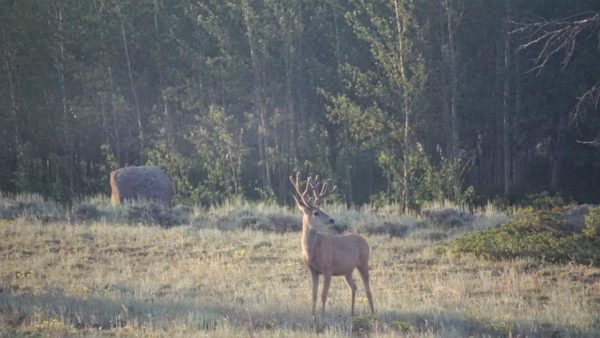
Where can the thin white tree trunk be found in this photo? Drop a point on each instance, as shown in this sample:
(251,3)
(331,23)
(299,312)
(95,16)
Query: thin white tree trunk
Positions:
(132,86)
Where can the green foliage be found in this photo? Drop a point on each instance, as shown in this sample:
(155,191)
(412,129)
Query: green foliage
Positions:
(538,234)
(363,325)
(180,168)
(401,326)
(218,142)
(230,97)
(543,200)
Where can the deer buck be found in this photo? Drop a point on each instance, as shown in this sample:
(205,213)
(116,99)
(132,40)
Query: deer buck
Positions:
(326,254)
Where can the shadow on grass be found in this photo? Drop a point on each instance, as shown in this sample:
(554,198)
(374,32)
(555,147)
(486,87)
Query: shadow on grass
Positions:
(454,325)
(24,309)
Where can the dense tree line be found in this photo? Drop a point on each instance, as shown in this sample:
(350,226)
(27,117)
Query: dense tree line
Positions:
(403,100)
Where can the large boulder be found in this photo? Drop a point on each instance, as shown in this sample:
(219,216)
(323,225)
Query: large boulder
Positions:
(574,218)
(147,183)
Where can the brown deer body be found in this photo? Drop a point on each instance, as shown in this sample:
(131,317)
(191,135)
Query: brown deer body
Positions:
(326,254)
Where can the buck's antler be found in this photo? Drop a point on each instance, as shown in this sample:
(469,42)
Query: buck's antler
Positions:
(326,189)
(302,195)
(315,186)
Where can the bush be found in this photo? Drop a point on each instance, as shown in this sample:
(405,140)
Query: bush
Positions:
(29,206)
(448,218)
(387,228)
(363,325)
(543,201)
(592,223)
(242,218)
(154,214)
(86,211)
(539,234)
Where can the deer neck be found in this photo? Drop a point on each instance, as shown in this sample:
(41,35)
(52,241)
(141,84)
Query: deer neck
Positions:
(307,238)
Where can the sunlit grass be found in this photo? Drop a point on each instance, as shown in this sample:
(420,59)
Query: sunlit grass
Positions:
(98,278)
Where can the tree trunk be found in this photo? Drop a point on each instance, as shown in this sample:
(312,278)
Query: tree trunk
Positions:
(161,80)
(259,104)
(11,88)
(132,86)
(506,123)
(557,152)
(453,56)
(60,68)
(12,152)
(406,107)
(516,154)
(497,168)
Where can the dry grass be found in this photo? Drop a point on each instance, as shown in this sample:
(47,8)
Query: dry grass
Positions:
(103,279)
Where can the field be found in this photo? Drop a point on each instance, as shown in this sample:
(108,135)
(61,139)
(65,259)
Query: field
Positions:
(107,277)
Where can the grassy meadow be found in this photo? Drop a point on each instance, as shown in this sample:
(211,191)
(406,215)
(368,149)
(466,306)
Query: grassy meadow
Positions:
(235,271)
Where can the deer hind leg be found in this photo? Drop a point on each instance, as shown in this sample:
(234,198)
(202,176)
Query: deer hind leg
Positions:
(353,287)
(364,274)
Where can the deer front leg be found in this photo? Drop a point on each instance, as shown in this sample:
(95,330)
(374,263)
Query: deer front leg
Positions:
(315,291)
(326,283)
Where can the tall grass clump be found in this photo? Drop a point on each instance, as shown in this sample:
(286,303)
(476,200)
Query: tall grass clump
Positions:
(100,208)
(592,223)
(29,206)
(237,213)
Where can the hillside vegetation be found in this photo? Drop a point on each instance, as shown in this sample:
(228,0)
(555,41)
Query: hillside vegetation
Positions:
(220,273)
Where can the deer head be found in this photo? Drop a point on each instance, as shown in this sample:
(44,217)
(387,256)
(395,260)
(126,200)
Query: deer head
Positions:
(309,198)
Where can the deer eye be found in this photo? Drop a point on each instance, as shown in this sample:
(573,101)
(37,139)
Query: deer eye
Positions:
(316,213)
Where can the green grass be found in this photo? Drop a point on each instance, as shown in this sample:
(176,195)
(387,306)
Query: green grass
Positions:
(209,278)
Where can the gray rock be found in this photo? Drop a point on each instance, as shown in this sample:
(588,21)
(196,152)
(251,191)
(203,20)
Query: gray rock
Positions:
(574,218)
(148,183)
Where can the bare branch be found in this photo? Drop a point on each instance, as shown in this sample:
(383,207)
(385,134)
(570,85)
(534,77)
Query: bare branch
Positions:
(595,143)
(592,97)
(556,36)
(560,36)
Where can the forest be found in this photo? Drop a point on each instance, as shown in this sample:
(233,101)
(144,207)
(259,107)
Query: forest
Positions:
(403,101)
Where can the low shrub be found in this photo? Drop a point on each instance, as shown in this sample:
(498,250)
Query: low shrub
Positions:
(154,214)
(363,325)
(448,218)
(539,234)
(30,206)
(86,211)
(592,223)
(244,218)
(387,228)
(543,200)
